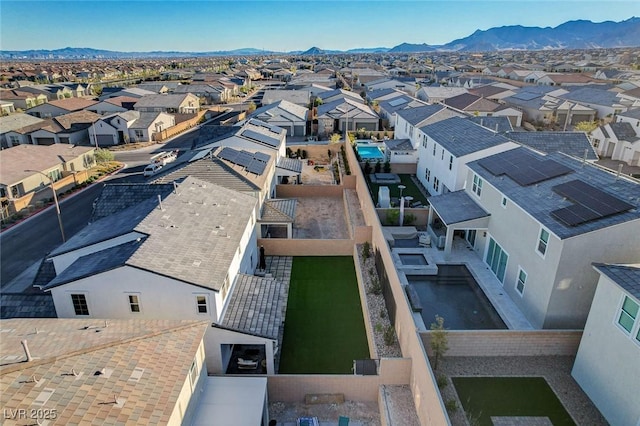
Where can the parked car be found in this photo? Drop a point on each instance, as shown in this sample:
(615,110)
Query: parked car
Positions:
(151,169)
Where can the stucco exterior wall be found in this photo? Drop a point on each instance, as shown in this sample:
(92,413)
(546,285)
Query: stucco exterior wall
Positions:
(107,292)
(607,365)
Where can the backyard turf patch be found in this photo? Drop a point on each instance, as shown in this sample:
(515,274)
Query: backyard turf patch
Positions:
(483,397)
(411,189)
(324,327)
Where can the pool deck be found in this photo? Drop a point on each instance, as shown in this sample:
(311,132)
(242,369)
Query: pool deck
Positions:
(462,254)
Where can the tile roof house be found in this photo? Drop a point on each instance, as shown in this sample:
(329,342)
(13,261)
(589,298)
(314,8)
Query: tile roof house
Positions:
(71,128)
(21,188)
(612,332)
(23,100)
(189,243)
(59,107)
(284,114)
(410,119)
(345,113)
(83,371)
(618,141)
(547,218)
(478,106)
(445,147)
(15,122)
(186,103)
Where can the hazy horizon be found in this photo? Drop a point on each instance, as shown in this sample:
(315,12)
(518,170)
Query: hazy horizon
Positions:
(282,26)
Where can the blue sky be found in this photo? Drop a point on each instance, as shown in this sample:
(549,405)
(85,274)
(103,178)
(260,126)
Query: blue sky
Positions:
(208,25)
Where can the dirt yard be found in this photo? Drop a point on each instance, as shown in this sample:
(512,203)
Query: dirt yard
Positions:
(363,413)
(321,218)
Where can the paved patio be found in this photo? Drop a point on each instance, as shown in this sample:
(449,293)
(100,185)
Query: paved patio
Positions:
(492,287)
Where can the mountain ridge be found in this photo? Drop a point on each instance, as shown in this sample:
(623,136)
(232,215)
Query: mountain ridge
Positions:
(575,34)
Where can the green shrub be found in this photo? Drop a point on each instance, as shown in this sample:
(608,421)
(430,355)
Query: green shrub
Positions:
(375,287)
(366,250)
(451,405)
(442,382)
(389,335)
(409,219)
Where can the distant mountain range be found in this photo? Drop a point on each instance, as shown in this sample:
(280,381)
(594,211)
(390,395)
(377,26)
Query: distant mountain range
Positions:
(570,35)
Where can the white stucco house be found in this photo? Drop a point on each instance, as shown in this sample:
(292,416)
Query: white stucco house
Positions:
(172,256)
(618,141)
(607,364)
(284,114)
(539,221)
(409,120)
(447,146)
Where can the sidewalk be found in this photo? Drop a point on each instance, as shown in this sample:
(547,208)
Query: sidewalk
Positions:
(61,200)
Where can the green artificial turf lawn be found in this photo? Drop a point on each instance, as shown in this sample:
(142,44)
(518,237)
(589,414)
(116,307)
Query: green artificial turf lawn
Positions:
(324,327)
(483,397)
(411,189)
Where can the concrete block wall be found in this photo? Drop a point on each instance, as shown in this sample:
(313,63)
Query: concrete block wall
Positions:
(429,404)
(509,342)
(293,388)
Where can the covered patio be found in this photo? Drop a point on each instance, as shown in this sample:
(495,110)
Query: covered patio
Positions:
(276,218)
(455,211)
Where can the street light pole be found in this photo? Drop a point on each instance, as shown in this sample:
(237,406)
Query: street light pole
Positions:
(55,200)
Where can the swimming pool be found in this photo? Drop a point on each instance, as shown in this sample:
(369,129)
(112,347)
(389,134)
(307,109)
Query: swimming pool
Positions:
(370,152)
(454,295)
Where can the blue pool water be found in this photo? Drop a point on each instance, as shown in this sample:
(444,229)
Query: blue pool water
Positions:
(370,153)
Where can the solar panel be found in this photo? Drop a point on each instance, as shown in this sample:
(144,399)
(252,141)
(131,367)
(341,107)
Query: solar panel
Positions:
(243,159)
(592,198)
(228,154)
(574,215)
(396,102)
(260,138)
(261,156)
(526,96)
(523,167)
(256,166)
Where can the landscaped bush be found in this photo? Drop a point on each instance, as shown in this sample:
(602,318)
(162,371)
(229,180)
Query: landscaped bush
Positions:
(389,335)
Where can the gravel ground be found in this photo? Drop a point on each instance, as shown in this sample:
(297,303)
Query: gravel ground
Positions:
(367,413)
(400,406)
(320,217)
(555,369)
(378,314)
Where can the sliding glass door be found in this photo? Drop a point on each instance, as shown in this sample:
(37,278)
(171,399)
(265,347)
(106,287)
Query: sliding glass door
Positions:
(497,259)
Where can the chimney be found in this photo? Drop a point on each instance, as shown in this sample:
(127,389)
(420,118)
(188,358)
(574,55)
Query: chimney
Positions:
(26,350)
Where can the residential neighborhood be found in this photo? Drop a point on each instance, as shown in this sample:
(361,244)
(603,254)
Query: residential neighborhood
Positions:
(364,238)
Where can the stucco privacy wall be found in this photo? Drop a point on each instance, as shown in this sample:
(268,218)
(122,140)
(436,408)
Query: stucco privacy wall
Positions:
(293,387)
(303,247)
(509,342)
(310,191)
(429,405)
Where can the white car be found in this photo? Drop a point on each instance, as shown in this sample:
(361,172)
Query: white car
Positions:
(152,169)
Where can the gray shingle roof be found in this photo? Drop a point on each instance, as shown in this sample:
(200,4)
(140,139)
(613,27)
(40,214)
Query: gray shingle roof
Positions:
(591,95)
(116,197)
(196,234)
(279,210)
(624,131)
(399,145)
(503,123)
(416,115)
(540,200)
(219,172)
(626,276)
(632,113)
(21,305)
(456,207)
(256,306)
(96,262)
(462,137)
(571,143)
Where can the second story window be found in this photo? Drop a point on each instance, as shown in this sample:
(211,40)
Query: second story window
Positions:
(434,149)
(450,162)
(477,185)
(134,303)
(201,304)
(543,241)
(628,314)
(80,305)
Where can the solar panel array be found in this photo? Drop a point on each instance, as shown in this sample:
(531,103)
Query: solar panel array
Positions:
(591,203)
(396,102)
(526,96)
(522,167)
(259,137)
(255,163)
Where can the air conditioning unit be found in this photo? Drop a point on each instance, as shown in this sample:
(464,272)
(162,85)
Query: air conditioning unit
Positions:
(442,240)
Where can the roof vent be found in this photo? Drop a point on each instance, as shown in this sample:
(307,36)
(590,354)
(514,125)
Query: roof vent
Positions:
(197,262)
(26,350)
